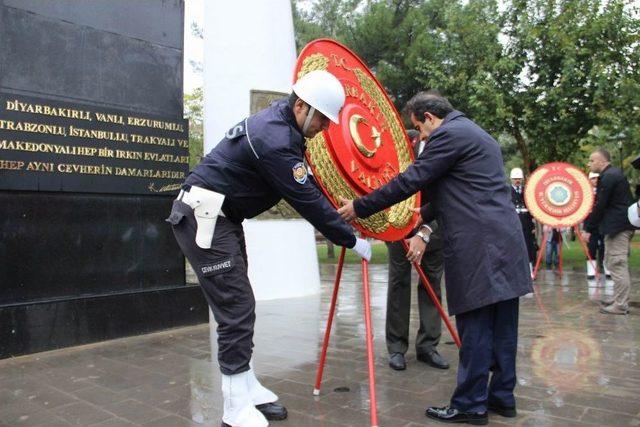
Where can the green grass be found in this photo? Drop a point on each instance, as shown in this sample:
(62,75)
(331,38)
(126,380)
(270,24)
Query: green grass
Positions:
(572,254)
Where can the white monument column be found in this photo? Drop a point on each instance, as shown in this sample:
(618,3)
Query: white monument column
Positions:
(249,45)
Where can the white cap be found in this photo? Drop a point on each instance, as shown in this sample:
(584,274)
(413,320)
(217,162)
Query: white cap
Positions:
(516,173)
(322,91)
(593,175)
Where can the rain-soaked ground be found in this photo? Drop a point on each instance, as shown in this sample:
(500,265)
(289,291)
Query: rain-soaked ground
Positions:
(575,367)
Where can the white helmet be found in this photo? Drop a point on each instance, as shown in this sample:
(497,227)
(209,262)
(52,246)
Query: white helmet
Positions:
(322,91)
(516,173)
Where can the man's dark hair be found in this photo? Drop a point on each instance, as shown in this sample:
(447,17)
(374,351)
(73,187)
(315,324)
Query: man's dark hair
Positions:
(292,99)
(428,102)
(412,134)
(604,153)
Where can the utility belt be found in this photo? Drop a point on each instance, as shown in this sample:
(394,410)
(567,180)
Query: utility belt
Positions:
(207,207)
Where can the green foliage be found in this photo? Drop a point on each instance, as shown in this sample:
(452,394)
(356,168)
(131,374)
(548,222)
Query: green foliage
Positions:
(194,112)
(573,256)
(326,18)
(551,78)
(580,73)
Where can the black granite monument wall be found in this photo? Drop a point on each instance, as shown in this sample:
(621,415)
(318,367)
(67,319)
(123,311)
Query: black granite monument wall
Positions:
(93,148)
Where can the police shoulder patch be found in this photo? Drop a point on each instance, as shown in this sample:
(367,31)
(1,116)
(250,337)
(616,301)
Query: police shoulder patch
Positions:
(300,173)
(238,130)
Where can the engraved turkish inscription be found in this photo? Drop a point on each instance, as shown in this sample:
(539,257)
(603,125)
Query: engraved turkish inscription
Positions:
(48,145)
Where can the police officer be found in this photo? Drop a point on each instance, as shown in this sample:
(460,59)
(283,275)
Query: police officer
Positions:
(526,220)
(259,162)
(485,258)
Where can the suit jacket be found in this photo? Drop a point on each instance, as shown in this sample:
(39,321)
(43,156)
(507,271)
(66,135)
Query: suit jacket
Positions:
(484,251)
(435,241)
(609,213)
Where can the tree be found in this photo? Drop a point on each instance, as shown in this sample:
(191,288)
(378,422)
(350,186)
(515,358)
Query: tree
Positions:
(558,77)
(325,18)
(578,62)
(194,112)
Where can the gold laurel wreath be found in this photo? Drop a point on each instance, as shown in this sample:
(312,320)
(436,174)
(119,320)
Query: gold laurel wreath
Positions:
(399,214)
(587,198)
(336,185)
(550,220)
(314,62)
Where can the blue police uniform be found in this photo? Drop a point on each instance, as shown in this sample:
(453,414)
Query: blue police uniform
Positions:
(259,162)
(485,259)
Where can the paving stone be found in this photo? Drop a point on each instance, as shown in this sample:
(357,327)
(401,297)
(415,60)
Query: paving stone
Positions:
(575,367)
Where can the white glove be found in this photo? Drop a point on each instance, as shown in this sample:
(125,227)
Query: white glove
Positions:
(363,249)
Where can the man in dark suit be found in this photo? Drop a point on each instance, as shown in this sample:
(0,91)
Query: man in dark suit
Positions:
(399,294)
(485,257)
(610,215)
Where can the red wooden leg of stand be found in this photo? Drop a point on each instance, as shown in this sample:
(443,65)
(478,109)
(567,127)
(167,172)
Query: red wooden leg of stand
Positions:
(434,298)
(327,332)
(586,251)
(369,334)
(560,254)
(543,249)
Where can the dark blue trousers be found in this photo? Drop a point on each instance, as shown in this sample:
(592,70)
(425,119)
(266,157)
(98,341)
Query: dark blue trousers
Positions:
(489,338)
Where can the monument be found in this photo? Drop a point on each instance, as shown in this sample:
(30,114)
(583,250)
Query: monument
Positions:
(93,148)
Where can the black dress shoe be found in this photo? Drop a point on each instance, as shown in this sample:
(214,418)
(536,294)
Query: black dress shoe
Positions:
(397,362)
(450,415)
(503,411)
(434,359)
(273,411)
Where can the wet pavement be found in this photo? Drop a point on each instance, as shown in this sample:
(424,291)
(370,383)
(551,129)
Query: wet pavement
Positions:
(575,367)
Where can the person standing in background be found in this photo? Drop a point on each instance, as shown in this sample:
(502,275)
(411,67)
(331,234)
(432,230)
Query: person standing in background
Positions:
(399,293)
(610,215)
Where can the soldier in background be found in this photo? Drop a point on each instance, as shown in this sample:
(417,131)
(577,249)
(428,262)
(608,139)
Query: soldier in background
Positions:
(526,220)
(596,240)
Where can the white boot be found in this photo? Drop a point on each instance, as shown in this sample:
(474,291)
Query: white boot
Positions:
(591,272)
(239,410)
(259,393)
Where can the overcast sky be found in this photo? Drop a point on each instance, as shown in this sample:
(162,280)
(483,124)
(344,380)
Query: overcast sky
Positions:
(193,46)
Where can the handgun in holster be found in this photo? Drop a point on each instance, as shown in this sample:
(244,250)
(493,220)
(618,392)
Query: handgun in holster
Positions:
(206,205)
